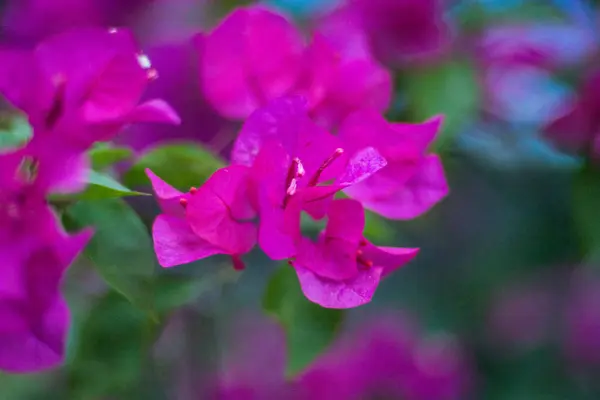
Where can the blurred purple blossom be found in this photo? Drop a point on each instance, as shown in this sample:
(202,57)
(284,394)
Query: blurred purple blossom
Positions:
(518,62)
(582,321)
(240,72)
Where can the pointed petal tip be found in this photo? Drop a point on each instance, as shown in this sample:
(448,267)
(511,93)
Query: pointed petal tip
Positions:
(156,111)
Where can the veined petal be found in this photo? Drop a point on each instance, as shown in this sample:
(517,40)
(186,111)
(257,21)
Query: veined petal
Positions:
(422,191)
(329,258)
(339,294)
(389,258)
(219,210)
(362,165)
(176,244)
(167,196)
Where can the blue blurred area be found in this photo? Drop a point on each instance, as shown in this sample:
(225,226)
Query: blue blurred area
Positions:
(304,7)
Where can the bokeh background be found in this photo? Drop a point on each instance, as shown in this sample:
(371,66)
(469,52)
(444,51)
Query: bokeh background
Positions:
(503,301)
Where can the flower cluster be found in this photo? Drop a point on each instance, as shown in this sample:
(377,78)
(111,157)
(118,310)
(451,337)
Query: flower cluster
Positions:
(256,55)
(75,88)
(284,165)
(387,356)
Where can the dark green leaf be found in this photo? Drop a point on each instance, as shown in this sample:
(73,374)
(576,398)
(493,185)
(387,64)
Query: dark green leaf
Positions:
(182,165)
(102,186)
(121,248)
(112,350)
(14,130)
(376,228)
(475,16)
(309,327)
(103,155)
(449,88)
(586,203)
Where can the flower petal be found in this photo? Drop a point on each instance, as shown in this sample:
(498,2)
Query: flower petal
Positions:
(219,211)
(176,244)
(167,196)
(346,220)
(330,258)
(40,347)
(425,189)
(274,236)
(280,120)
(362,165)
(339,294)
(253,56)
(155,110)
(389,258)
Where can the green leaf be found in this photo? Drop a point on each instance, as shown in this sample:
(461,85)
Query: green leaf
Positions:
(104,155)
(377,229)
(100,186)
(174,291)
(586,203)
(309,327)
(14,130)
(182,165)
(115,340)
(121,248)
(449,88)
(475,17)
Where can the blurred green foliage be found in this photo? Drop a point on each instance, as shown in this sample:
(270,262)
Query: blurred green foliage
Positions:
(309,327)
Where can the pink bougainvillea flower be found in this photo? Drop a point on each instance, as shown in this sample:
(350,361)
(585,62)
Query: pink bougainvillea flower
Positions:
(388,357)
(36,252)
(413,181)
(348,78)
(212,219)
(27,21)
(253,56)
(256,55)
(582,321)
(82,85)
(220,211)
(256,344)
(577,127)
(397,31)
(178,84)
(342,269)
(291,158)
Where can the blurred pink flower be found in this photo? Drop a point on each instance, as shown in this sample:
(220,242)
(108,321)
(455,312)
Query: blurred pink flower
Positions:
(389,357)
(582,321)
(254,362)
(256,55)
(177,83)
(521,316)
(253,56)
(517,63)
(28,21)
(36,252)
(82,86)
(577,126)
(402,31)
